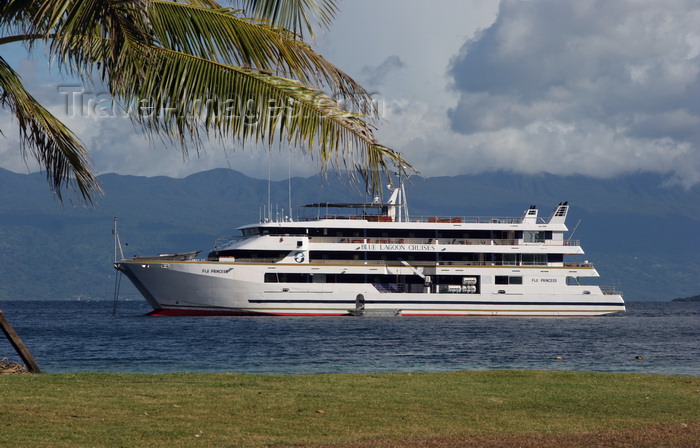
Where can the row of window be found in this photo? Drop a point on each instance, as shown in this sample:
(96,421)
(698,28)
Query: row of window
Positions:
(508,280)
(275,277)
(527,236)
(487,258)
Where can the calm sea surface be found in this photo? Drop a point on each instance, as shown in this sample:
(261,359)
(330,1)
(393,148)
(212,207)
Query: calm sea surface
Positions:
(79,336)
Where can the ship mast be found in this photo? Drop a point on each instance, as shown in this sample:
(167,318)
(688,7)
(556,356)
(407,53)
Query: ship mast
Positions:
(117,242)
(398,202)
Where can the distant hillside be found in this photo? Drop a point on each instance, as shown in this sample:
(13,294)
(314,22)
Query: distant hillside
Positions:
(688,299)
(641,235)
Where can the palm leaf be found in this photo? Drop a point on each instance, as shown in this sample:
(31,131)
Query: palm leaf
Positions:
(294,15)
(222,35)
(208,71)
(49,141)
(85,34)
(194,99)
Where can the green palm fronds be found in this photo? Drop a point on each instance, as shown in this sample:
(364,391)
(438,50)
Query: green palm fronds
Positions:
(235,40)
(293,15)
(192,70)
(48,140)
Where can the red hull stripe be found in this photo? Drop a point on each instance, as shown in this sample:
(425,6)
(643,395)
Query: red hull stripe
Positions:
(170,312)
(200,313)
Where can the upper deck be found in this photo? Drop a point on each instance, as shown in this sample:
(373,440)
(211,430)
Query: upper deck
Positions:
(396,211)
(391,219)
(432,219)
(335,215)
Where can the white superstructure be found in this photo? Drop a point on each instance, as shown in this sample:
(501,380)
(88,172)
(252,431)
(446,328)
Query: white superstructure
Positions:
(375,259)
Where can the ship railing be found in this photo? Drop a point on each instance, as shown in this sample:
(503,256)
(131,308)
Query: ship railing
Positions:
(279,235)
(335,262)
(414,263)
(224,241)
(258,260)
(183,256)
(427,219)
(417,263)
(374,263)
(505,242)
(448,241)
(610,291)
(473,219)
(496,263)
(585,264)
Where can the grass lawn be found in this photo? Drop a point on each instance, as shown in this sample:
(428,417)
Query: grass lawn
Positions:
(489,408)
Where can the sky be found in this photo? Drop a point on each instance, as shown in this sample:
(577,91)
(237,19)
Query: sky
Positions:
(600,88)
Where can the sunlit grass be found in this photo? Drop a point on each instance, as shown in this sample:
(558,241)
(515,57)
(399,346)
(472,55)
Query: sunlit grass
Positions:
(281,410)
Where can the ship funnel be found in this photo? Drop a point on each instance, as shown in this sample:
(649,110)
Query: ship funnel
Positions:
(530,214)
(559,215)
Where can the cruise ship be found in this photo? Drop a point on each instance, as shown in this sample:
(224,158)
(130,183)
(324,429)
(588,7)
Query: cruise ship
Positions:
(373,259)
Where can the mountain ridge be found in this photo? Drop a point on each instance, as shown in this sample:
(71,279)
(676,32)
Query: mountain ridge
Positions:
(640,233)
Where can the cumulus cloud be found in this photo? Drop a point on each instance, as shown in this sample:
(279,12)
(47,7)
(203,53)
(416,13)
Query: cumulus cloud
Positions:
(402,60)
(593,87)
(598,87)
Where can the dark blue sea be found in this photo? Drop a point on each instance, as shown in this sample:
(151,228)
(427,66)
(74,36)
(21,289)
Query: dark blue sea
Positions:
(81,336)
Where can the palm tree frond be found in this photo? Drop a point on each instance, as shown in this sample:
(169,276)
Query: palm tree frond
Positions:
(74,29)
(192,99)
(224,36)
(58,150)
(191,70)
(294,15)
(14,12)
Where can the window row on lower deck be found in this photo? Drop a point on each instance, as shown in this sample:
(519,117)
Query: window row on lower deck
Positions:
(388,282)
(392,283)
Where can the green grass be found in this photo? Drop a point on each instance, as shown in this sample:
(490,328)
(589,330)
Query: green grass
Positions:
(173,410)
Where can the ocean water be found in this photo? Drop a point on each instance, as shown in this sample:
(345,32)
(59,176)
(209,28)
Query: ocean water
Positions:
(80,336)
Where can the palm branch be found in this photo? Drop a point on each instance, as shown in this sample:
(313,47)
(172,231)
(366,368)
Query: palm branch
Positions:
(49,141)
(211,72)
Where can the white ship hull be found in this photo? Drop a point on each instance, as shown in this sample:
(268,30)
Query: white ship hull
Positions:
(360,263)
(204,288)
